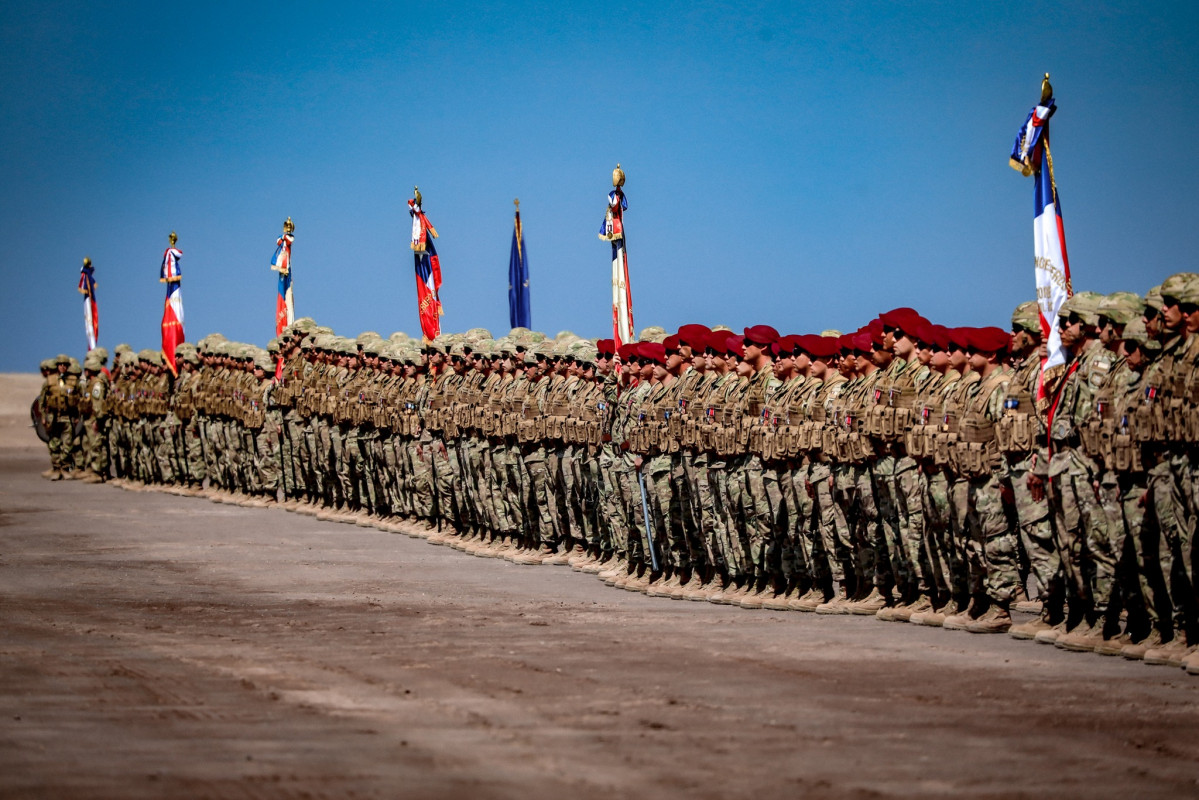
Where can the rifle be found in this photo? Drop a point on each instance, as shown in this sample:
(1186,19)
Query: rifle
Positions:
(649,526)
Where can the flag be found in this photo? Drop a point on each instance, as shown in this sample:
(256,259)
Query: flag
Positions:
(91,311)
(612,230)
(428,270)
(172,312)
(285,311)
(1031,156)
(519,312)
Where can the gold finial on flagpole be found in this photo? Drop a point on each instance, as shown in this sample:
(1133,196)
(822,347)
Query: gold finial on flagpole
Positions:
(618,176)
(517,202)
(289,226)
(1046,89)
(174,237)
(416,194)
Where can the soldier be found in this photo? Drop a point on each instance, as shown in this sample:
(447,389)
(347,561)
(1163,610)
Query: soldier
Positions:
(94,411)
(57,401)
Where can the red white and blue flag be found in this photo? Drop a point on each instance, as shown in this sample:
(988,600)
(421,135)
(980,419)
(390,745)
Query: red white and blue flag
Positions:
(285,310)
(91,311)
(612,230)
(1031,155)
(172,312)
(428,271)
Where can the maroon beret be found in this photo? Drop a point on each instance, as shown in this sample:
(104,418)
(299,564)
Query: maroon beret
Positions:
(671,342)
(862,342)
(990,340)
(822,347)
(959,338)
(654,351)
(606,347)
(762,334)
(628,351)
(876,331)
(906,319)
(694,335)
(786,345)
(734,346)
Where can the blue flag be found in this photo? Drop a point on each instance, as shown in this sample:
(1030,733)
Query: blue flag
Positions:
(520,314)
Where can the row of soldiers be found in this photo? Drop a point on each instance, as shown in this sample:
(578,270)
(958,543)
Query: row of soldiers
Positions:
(906,470)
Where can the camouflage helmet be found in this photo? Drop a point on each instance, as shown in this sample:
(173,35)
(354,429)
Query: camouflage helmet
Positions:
(827,333)
(1135,331)
(323,329)
(1176,285)
(1027,317)
(544,349)
(92,364)
(1190,292)
(1085,305)
(505,346)
(48,364)
(1153,299)
(519,332)
(653,333)
(62,358)
(398,337)
(476,334)
(272,346)
(365,337)
(1122,307)
(533,337)
(73,368)
(565,335)
(586,353)
(100,353)
(305,325)
(457,350)
(264,363)
(373,347)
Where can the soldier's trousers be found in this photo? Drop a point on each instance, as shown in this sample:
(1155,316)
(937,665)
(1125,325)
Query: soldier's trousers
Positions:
(1036,533)
(836,545)
(1170,510)
(267,455)
(756,509)
(541,514)
(61,429)
(612,502)
(993,539)
(1079,522)
(95,438)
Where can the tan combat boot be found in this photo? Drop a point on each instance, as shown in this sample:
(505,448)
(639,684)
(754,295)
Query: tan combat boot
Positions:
(1136,651)
(1029,630)
(995,620)
(1083,639)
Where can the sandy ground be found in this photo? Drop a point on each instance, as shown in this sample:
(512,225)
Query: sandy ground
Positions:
(157,646)
(17,391)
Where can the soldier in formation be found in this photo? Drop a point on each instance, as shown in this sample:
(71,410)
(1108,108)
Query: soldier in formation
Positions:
(906,470)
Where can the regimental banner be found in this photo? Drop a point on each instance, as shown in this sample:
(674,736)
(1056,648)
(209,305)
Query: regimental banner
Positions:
(91,311)
(1031,156)
(285,311)
(172,313)
(520,313)
(612,230)
(427,268)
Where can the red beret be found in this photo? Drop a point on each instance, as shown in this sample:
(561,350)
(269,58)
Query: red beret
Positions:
(990,340)
(694,336)
(940,336)
(845,341)
(786,345)
(959,338)
(862,342)
(654,351)
(799,344)
(606,347)
(905,319)
(924,333)
(762,334)
(628,351)
(822,347)
(876,331)
(671,342)
(734,346)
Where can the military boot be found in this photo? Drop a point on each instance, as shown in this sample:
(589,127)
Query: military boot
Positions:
(1049,635)
(1136,651)
(920,605)
(869,605)
(959,621)
(1083,639)
(996,619)
(1029,630)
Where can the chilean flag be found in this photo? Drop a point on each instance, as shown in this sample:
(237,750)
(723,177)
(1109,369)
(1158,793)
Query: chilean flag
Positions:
(428,283)
(285,311)
(172,313)
(1031,154)
(612,230)
(91,311)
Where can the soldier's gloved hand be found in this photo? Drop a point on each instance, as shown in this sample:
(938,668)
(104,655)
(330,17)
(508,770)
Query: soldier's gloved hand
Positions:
(637,462)
(1036,485)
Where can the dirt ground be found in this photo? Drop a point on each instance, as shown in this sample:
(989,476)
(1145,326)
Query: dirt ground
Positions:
(158,646)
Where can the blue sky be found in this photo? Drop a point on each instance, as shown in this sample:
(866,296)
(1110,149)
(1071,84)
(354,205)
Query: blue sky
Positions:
(800,165)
